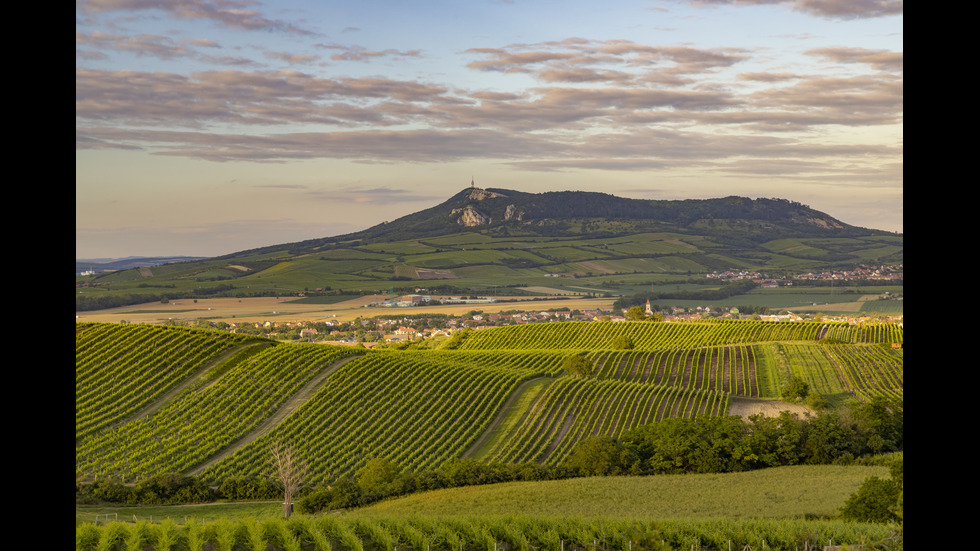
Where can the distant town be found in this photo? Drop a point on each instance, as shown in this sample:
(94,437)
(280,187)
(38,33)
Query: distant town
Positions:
(374,329)
(860,273)
(393,329)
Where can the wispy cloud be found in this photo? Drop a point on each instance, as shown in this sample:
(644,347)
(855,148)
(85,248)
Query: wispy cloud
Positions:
(239,14)
(360,53)
(835,9)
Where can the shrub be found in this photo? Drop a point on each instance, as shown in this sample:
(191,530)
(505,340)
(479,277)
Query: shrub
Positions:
(577,365)
(875,501)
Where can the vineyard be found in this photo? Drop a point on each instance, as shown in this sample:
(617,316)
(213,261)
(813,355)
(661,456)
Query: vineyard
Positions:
(514,533)
(152,399)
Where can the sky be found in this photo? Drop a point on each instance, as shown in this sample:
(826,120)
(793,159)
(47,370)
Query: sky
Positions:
(204,128)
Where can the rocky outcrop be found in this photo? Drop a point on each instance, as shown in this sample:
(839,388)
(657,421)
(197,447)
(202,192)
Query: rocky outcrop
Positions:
(469,216)
(477,194)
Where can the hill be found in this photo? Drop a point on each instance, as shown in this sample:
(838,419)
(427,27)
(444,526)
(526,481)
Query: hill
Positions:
(508,213)
(83,265)
(195,395)
(485,241)
(188,415)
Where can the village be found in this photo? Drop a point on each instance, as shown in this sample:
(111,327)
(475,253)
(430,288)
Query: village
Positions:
(860,273)
(388,329)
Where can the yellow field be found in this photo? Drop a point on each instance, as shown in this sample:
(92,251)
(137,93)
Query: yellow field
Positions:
(282,310)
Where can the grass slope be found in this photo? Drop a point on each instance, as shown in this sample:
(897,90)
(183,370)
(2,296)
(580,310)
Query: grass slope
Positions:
(784,492)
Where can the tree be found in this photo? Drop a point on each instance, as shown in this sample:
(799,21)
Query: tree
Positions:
(290,470)
(577,366)
(877,500)
(601,456)
(623,342)
(378,476)
(795,389)
(636,313)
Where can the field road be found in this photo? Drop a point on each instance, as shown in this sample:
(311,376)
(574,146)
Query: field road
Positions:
(477,448)
(285,411)
(283,309)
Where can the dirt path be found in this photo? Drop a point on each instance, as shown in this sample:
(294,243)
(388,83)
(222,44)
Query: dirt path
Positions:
(286,410)
(499,419)
(162,400)
(567,426)
(745,407)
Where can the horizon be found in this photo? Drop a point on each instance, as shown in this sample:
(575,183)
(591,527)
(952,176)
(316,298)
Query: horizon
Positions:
(206,128)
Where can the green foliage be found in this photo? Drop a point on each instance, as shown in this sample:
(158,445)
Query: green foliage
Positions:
(514,531)
(396,401)
(87,537)
(577,365)
(601,456)
(731,444)
(378,476)
(877,500)
(795,389)
(636,313)
(622,342)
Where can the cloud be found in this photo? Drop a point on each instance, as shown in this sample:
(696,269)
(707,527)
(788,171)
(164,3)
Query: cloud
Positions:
(882,60)
(618,61)
(293,59)
(831,9)
(140,45)
(359,53)
(373,196)
(232,96)
(228,13)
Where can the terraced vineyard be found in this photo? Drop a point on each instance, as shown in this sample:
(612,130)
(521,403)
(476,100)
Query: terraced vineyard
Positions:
(155,399)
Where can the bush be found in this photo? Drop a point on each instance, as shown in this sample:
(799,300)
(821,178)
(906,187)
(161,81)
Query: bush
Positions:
(796,389)
(876,500)
(623,342)
(601,456)
(577,366)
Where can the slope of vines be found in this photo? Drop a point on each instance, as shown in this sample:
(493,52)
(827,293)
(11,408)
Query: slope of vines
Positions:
(204,419)
(421,408)
(595,335)
(869,370)
(416,408)
(573,409)
(122,368)
(728,369)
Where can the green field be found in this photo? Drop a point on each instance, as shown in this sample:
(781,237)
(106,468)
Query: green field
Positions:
(475,263)
(783,492)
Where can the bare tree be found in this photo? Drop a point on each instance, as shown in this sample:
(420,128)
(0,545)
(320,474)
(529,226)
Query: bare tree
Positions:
(291,471)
